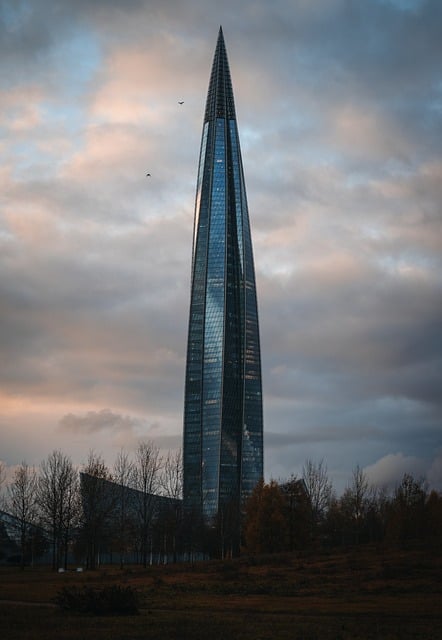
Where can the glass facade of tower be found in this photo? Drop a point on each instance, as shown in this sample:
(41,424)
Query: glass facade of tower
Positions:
(223,423)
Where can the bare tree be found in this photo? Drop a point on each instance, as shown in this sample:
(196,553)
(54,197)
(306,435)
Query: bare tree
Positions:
(358,492)
(355,501)
(408,511)
(22,505)
(171,483)
(318,487)
(2,480)
(123,476)
(98,507)
(298,510)
(58,501)
(171,479)
(148,464)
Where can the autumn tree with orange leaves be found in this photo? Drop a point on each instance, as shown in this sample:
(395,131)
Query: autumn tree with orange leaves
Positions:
(266,527)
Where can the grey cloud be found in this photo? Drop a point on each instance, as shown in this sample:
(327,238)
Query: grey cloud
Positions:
(23,29)
(329,433)
(114,431)
(389,470)
(369,322)
(434,473)
(98,421)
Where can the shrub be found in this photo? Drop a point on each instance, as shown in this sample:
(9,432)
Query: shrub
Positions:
(112,600)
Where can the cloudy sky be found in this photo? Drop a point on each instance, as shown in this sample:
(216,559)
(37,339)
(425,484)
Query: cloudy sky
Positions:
(339,106)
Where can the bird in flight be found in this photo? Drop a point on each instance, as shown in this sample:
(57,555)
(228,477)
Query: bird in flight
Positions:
(147,175)
(180,101)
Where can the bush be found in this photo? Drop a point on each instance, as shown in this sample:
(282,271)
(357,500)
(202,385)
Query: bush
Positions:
(113,600)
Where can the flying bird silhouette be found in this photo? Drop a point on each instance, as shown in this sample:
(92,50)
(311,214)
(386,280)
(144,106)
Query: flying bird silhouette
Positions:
(180,101)
(147,175)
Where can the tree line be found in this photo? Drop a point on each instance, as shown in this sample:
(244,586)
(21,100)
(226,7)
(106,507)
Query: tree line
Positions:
(306,512)
(133,512)
(128,511)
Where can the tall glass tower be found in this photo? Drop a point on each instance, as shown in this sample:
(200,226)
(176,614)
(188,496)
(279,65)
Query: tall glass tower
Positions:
(223,423)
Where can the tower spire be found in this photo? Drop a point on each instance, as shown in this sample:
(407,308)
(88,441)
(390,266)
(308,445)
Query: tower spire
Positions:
(220,102)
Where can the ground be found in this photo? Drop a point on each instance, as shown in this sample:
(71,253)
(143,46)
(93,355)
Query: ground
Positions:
(365,593)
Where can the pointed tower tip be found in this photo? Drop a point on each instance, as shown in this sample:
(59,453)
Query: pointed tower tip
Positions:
(220,102)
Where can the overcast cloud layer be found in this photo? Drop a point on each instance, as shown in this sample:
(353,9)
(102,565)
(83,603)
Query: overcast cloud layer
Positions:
(339,106)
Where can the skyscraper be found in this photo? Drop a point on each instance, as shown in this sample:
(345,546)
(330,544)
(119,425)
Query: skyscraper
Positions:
(223,423)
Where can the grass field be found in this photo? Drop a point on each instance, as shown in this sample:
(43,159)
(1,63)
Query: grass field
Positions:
(364,593)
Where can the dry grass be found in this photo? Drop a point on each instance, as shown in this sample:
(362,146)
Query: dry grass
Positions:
(366,594)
